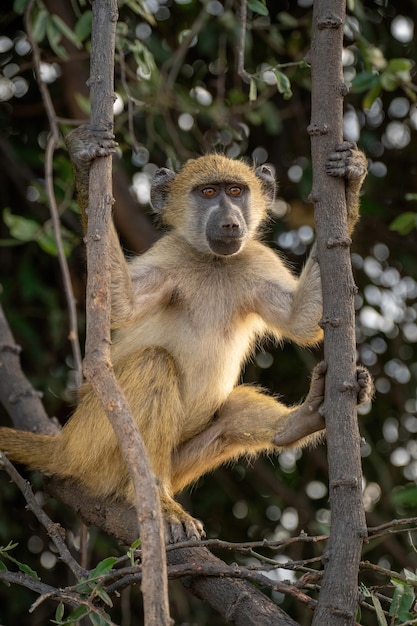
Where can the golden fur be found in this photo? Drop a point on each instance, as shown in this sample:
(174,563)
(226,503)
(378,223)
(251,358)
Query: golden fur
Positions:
(185,321)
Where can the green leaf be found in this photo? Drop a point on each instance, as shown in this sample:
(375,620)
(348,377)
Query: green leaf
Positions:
(131,551)
(39,25)
(411,577)
(103,595)
(22,566)
(395,602)
(48,244)
(283,84)
(25,230)
(98,620)
(288,20)
(411,196)
(374,56)
(76,615)
(367,593)
(3,568)
(136,544)
(257,7)
(379,611)
(402,601)
(253,90)
(404,224)
(104,567)
(19,6)
(66,31)
(27,570)
(389,81)
(372,95)
(363,589)
(47,241)
(54,36)
(144,58)
(10,545)
(400,65)
(20,227)
(83,26)
(140,9)
(363,81)
(59,613)
(397,73)
(84,587)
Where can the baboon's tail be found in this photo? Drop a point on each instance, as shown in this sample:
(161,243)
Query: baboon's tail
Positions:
(35,451)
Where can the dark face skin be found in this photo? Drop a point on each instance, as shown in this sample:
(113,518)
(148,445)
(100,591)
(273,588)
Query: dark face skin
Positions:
(223,209)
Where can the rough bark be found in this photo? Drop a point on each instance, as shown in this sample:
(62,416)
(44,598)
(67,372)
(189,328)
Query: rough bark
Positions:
(17,395)
(97,365)
(339,595)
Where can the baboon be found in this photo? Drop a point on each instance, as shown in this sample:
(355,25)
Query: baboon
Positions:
(186,316)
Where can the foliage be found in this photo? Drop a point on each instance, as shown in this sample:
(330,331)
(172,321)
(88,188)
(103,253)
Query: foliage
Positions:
(179,92)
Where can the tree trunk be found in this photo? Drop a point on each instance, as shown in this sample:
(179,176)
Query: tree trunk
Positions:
(339,595)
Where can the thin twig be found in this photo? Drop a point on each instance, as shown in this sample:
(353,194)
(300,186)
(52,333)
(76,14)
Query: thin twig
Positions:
(375,531)
(366,565)
(130,99)
(52,144)
(176,61)
(134,575)
(28,582)
(241,51)
(72,599)
(245,546)
(54,530)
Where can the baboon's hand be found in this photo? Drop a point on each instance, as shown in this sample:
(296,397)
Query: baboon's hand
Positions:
(347,162)
(366,387)
(86,144)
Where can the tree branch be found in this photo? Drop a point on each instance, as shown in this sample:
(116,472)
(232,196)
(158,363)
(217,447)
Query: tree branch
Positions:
(97,365)
(55,531)
(238,601)
(21,401)
(339,596)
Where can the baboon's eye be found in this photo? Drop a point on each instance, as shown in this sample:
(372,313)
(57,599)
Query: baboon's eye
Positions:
(209,192)
(235,191)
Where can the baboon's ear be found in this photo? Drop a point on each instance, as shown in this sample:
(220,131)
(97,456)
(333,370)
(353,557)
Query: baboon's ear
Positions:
(160,188)
(269,185)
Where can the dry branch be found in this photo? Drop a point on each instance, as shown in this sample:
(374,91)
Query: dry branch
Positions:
(97,365)
(238,601)
(19,398)
(339,595)
(55,531)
